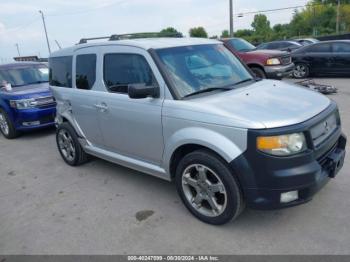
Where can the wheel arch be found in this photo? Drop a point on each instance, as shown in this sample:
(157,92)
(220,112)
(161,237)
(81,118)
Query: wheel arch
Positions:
(256,65)
(192,139)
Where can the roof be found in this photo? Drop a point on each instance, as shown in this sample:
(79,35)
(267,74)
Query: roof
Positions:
(19,64)
(143,43)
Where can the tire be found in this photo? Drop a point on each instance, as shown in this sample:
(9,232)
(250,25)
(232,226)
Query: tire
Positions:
(68,145)
(301,70)
(218,189)
(6,126)
(258,72)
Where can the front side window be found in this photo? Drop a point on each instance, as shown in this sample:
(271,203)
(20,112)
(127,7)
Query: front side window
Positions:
(61,71)
(85,71)
(195,68)
(26,75)
(120,70)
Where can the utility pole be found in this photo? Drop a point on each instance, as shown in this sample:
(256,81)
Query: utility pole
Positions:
(231,18)
(19,54)
(338,17)
(47,38)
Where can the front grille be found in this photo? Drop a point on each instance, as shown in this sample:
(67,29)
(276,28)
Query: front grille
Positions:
(324,129)
(285,60)
(324,158)
(44,102)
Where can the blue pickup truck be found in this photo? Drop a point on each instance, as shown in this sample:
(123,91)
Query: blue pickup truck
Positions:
(26,102)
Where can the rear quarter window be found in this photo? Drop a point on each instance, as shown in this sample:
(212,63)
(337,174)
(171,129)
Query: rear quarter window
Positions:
(60,73)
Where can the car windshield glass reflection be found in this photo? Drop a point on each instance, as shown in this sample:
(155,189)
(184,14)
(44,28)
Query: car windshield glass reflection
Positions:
(195,68)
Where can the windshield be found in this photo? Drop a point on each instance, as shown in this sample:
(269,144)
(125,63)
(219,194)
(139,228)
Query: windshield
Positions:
(195,68)
(241,45)
(25,75)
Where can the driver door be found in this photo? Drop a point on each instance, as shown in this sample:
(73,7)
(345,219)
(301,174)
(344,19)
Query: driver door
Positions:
(130,127)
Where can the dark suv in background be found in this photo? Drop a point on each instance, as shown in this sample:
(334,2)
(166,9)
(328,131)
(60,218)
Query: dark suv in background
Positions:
(264,63)
(323,58)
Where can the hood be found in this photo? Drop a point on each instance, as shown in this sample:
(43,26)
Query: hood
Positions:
(267,53)
(264,104)
(28,91)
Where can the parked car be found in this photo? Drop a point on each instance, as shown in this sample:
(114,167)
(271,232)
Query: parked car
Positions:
(271,64)
(307,41)
(323,58)
(26,102)
(187,110)
(288,46)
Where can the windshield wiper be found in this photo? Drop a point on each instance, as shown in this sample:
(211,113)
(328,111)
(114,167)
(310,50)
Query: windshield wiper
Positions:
(208,90)
(37,82)
(243,81)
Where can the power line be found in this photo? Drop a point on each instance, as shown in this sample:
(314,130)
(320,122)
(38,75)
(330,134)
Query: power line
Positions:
(278,9)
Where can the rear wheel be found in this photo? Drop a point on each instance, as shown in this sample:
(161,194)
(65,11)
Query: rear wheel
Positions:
(258,72)
(6,126)
(207,188)
(69,146)
(301,71)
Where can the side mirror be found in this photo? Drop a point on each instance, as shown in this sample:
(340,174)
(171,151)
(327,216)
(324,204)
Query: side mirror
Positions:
(6,86)
(138,91)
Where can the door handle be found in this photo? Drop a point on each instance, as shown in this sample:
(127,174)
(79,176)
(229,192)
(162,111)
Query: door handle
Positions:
(102,107)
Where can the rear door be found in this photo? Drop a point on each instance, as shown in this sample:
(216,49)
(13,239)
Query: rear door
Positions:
(83,96)
(341,57)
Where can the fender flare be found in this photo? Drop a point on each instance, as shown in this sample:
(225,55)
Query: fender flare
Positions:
(215,141)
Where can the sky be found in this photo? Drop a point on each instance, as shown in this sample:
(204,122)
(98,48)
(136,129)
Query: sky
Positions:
(69,20)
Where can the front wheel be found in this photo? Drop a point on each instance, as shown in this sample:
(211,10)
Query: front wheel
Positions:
(6,126)
(69,146)
(258,72)
(301,71)
(208,188)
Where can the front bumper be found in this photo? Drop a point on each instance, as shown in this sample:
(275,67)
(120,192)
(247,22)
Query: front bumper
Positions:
(264,178)
(34,118)
(280,71)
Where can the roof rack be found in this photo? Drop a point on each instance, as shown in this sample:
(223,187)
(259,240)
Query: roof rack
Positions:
(116,37)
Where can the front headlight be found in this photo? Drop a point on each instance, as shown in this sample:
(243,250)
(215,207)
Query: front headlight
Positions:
(23,103)
(273,61)
(283,145)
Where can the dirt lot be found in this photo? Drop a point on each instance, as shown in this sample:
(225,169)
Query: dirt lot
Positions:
(47,207)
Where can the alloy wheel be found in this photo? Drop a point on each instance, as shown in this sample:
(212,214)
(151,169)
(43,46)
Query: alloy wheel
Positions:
(300,71)
(204,190)
(66,145)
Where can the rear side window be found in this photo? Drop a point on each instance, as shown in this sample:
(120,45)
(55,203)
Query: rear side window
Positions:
(341,48)
(85,71)
(120,70)
(60,71)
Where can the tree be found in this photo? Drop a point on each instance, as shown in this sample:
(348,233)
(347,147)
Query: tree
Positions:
(170,31)
(225,34)
(261,27)
(198,32)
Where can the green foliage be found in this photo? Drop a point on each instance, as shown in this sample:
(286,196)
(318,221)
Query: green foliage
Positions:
(225,34)
(316,19)
(170,31)
(198,32)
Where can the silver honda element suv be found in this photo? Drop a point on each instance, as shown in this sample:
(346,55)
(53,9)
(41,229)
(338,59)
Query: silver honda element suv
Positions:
(187,110)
